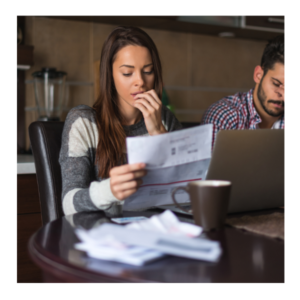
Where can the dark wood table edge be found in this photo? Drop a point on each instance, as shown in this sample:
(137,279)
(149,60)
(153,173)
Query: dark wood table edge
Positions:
(61,272)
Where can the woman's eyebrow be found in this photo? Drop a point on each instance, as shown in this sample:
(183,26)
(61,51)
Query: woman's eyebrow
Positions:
(148,65)
(127,66)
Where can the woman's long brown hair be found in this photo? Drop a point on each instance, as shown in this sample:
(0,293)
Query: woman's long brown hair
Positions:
(111,142)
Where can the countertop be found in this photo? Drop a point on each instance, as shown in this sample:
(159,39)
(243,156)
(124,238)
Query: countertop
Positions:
(25,164)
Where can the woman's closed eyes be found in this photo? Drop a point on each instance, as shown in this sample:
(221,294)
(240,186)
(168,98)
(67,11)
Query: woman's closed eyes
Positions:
(146,73)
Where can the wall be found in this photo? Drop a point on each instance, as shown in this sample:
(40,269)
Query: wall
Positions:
(197,69)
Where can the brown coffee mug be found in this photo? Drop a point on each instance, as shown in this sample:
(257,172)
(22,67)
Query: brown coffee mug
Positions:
(209,199)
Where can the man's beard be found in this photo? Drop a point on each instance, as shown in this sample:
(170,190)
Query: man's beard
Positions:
(263,99)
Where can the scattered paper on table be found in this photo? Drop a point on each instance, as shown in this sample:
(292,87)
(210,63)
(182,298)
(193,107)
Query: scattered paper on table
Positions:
(144,241)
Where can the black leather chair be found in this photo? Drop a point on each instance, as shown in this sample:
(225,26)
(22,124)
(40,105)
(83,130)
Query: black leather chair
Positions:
(45,138)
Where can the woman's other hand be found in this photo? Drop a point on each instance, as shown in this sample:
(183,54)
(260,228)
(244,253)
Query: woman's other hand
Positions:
(125,180)
(150,106)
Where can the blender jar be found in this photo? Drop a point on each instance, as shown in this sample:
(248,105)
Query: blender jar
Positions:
(49,87)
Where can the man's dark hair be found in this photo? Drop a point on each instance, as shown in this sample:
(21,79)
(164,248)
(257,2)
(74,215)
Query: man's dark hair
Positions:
(273,53)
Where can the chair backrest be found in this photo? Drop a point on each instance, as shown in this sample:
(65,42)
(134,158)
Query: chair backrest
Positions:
(45,138)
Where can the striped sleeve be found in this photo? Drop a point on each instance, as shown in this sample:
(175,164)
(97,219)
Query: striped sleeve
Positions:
(82,190)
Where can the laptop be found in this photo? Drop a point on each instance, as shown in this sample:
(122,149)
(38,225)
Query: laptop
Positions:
(253,160)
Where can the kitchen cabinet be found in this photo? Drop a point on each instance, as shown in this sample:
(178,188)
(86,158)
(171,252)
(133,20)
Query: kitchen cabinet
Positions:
(25,56)
(263,23)
(248,27)
(24,62)
(29,218)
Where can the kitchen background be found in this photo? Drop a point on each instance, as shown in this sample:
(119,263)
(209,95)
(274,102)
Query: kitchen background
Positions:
(199,68)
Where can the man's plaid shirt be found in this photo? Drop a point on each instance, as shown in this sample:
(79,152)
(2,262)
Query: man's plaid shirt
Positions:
(235,112)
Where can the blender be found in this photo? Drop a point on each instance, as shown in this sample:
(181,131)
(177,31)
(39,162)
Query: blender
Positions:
(49,88)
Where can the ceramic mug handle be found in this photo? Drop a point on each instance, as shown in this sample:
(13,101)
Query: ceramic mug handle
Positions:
(184,188)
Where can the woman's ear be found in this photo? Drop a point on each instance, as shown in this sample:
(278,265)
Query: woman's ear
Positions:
(258,74)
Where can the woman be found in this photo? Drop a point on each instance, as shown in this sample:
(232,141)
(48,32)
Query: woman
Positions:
(95,173)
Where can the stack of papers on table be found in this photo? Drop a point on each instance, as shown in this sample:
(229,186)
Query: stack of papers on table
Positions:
(140,242)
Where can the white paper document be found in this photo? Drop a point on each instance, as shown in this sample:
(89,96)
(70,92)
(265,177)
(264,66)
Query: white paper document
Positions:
(172,159)
(144,241)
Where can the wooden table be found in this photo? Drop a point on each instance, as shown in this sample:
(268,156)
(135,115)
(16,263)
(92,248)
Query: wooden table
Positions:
(247,257)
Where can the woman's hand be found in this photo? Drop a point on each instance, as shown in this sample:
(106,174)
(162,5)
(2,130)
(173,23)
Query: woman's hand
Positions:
(125,180)
(150,106)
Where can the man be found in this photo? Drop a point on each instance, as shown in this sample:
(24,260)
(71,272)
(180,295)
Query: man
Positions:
(261,107)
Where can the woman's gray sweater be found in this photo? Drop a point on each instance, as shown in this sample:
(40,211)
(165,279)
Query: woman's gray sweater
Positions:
(82,189)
